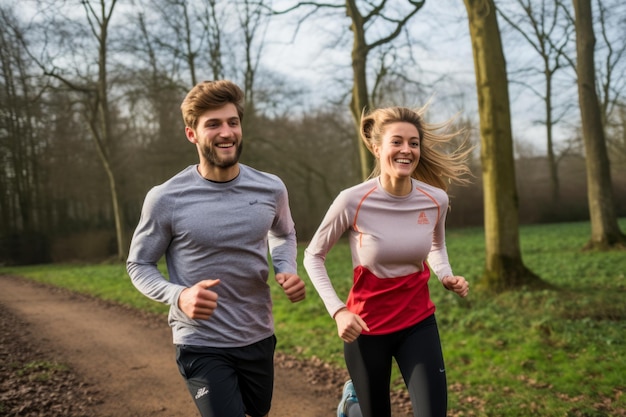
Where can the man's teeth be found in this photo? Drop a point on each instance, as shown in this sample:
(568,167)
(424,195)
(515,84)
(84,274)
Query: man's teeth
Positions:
(224,145)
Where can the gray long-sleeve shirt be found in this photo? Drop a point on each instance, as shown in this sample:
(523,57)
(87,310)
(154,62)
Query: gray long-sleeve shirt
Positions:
(209,230)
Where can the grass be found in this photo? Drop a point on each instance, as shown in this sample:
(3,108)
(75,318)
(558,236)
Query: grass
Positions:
(41,371)
(554,352)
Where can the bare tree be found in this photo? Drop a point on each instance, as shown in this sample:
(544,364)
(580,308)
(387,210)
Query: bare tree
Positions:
(362,18)
(504,266)
(16,140)
(544,26)
(154,92)
(616,139)
(310,159)
(361,48)
(605,232)
(611,73)
(180,33)
(191,32)
(611,85)
(22,199)
(253,19)
(212,22)
(95,93)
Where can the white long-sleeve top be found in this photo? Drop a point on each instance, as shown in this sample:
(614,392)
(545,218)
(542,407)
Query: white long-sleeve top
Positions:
(389,236)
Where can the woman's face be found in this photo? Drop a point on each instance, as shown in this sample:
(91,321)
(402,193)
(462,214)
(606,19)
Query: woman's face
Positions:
(399,150)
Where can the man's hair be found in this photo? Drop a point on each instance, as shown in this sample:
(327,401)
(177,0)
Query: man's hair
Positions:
(210,95)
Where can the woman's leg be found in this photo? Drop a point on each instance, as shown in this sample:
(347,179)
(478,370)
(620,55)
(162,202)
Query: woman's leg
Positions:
(368,359)
(420,360)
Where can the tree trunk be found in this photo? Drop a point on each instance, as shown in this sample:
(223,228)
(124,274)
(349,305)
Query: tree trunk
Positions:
(552,163)
(504,266)
(360,96)
(101,126)
(605,230)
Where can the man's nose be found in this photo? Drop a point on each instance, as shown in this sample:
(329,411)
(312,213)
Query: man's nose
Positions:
(226,130)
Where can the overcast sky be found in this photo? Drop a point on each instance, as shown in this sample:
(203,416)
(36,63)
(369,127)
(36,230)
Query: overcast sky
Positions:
(318,54)
(441,27)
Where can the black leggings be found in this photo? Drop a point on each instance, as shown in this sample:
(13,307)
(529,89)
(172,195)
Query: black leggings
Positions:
(417,351)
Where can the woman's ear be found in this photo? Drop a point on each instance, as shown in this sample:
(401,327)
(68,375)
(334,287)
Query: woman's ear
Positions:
(375,150)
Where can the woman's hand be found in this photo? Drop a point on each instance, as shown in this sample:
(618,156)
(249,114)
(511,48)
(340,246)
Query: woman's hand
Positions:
(457,284)
(349,325)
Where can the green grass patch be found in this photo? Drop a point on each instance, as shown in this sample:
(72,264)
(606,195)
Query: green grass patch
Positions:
(40,371)
(552,352)
(106,281)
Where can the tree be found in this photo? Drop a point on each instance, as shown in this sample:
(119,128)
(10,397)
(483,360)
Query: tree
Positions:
(547,30)
(190,32)
(393,22)
(504,266)
(605,232)
(611,75)
(22,201)
(360,50)
(251,20)
(94,91)
(153,94)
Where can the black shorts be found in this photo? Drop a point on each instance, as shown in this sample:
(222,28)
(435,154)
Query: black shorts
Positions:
(229,382)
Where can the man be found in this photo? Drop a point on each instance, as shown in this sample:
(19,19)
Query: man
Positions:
(215,222)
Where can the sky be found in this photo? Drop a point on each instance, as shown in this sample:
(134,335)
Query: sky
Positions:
(443,48)
(315,56)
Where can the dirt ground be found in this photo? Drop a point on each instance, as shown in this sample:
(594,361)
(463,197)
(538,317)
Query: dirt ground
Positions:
(64,354)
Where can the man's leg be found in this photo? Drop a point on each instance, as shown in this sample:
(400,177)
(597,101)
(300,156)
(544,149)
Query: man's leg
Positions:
(255,369)
(211,380)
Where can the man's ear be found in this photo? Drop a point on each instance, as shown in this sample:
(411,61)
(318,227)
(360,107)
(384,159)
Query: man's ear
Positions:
(191,134)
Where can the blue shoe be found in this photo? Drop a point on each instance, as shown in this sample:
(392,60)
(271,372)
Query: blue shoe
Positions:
(348,396)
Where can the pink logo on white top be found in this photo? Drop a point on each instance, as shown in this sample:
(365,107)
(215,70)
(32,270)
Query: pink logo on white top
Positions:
(422,219)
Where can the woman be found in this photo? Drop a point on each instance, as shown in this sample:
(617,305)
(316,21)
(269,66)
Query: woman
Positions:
(396,222)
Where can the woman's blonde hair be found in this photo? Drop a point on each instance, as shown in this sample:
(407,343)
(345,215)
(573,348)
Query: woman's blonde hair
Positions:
(435,167)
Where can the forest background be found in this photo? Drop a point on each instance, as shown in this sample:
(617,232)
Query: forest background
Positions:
(90,96)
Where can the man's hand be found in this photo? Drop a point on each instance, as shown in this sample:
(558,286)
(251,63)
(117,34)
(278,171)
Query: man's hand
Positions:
(457,284)
(292,285)
(198,302)
(349,325)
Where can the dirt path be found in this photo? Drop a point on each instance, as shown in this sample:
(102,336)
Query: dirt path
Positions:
(129,358)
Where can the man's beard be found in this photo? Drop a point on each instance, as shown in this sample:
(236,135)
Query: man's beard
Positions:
(212,158)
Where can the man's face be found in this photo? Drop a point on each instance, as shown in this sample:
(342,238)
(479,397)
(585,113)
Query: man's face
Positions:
(218,136)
